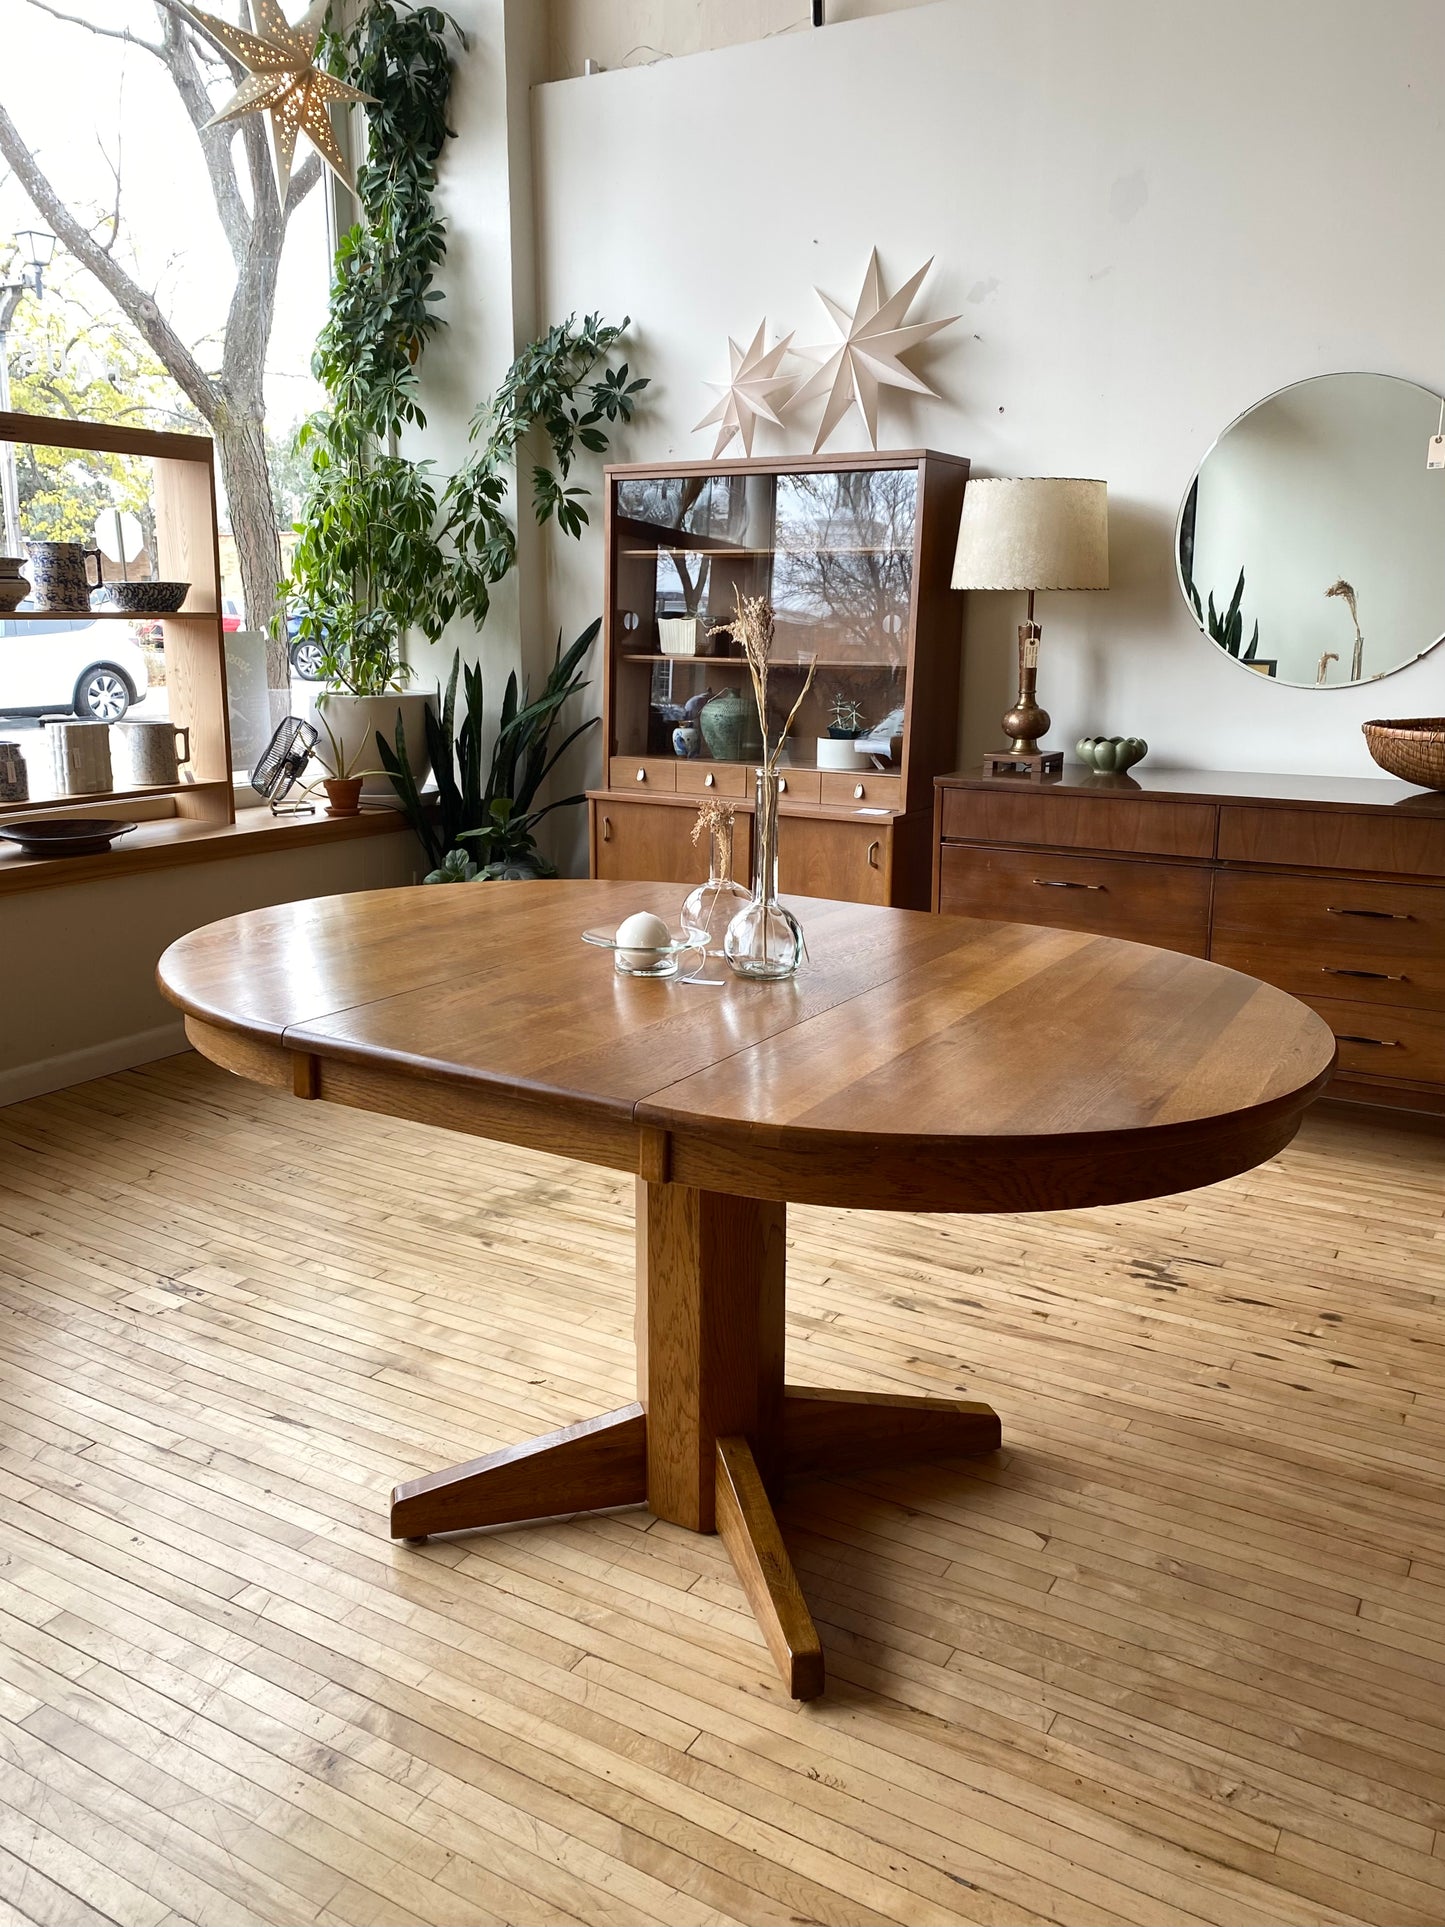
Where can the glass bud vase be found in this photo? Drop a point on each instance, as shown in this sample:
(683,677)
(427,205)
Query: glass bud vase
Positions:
(764,939)
(713,905)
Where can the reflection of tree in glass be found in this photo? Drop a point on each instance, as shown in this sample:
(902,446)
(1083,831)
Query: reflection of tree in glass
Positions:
(845,561)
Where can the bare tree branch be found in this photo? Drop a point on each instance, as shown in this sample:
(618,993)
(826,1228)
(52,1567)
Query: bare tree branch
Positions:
(136,304)
(107,33)
(178,52)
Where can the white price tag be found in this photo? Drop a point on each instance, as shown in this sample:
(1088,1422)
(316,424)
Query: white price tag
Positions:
(1435,452)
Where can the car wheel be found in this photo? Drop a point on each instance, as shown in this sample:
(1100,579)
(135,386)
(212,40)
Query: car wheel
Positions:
(307,659)
(103,693)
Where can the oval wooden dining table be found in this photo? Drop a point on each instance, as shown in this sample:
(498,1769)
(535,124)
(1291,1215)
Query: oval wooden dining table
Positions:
(915,1063)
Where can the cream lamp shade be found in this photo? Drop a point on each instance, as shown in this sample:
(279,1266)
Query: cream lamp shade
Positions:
(1033,532)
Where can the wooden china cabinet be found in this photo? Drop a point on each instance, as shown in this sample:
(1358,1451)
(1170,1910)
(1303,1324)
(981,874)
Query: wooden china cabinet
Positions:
(854,553)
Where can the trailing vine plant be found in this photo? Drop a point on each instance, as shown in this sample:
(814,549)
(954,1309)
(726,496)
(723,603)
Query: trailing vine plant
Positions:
(383,545)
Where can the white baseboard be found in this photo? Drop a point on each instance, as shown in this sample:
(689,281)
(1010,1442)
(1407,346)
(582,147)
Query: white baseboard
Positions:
(96,1060)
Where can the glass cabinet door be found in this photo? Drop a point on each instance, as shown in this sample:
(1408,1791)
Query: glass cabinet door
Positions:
(831,550)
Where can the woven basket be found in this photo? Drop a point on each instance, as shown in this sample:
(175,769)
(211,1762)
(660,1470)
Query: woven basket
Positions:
(1410,747)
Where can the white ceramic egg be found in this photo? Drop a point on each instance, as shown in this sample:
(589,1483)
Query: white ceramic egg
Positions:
(642,938)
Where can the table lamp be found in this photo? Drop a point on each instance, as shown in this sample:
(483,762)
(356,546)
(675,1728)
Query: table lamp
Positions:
(1031,533)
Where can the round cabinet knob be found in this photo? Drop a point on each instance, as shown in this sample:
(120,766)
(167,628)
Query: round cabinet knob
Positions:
(642,776)
(858,791)
(782,786)
(709,781)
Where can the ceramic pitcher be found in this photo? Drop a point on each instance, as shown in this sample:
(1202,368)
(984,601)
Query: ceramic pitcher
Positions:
(151,753)
(80,756)
(60,578)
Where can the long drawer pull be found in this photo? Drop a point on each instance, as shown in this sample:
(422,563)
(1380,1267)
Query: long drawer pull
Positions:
(1383,916)
(1376,976)
(1381,1043)
(1060,883)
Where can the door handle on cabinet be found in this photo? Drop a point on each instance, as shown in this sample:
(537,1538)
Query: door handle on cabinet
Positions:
(1381,1043)
(607,829)
(642,776)
(1375,976)
(873,849)
(1059,883)
(1384,916)
(709,781)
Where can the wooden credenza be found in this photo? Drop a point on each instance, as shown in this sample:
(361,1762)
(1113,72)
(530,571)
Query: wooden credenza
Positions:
(1331,888)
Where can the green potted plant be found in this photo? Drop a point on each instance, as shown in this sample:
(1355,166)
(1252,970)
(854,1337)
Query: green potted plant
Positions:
(479,827)
(385,548)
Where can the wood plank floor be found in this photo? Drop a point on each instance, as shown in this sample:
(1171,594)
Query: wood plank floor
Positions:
(1176,1655)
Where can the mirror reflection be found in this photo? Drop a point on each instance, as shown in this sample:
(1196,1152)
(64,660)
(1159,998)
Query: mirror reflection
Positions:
(1311,542)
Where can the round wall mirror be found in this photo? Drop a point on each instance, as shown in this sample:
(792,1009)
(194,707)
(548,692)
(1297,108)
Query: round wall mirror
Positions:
(1311,542)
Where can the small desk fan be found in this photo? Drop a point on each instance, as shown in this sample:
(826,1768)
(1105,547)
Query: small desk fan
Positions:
(279,767)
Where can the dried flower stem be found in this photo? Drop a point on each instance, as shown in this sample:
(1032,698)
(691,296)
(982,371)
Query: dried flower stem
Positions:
(752,630)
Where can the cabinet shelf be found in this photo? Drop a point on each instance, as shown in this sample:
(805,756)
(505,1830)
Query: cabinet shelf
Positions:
(775,664)
(103,801)
(109,615)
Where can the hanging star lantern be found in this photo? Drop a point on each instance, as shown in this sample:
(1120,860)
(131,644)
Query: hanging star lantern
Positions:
(283,81)
(869,355)
(746,399)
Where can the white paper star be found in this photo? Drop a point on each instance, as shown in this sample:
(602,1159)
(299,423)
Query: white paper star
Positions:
(745,399)
(867,358)
(282,80)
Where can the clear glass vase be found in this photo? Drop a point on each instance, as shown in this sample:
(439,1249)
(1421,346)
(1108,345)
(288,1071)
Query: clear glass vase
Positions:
(713,905)
(764,939)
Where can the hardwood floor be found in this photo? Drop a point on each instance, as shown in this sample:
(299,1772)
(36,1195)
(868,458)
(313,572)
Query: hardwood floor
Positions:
(1176,1655)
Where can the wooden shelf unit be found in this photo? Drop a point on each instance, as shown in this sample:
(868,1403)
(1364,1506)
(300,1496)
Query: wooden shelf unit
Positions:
(858,835)
(187,550)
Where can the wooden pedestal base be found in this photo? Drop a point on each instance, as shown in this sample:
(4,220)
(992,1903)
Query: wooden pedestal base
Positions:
(1041,762)
(714,1428)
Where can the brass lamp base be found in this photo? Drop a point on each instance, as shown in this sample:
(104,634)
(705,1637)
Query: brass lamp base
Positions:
(1026,721)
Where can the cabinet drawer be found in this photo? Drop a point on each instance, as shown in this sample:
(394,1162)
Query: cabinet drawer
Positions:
(819,857)
(1164,904)
(798,785)
(1407,1045)
(1080,822)
(1376,840)
(1312,935)
(711,779)
(863,791)
(638,772)
(652,843)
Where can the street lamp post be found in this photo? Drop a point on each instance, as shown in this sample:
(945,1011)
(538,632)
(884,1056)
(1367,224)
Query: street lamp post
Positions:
(36,248)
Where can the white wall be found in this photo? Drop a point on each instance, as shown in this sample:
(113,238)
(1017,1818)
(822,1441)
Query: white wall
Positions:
(80,997)
(1149,216)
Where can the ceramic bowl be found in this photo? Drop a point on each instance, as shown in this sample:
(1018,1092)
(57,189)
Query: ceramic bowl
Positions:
(147,598)
(65,835)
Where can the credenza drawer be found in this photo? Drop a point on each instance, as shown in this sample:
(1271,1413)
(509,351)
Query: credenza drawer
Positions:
(865,791)
(1125,822)
(1373,840)
(1407,1045)
(1165,904)
(712,779)
(1312,935)
(642,772)
(799,785)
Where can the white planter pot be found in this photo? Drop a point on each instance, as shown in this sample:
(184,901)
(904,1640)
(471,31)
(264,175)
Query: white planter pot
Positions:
(355,721)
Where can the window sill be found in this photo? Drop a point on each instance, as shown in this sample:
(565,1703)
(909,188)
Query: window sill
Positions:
(165,843)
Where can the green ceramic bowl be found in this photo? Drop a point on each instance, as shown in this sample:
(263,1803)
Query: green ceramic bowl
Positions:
(1111,755)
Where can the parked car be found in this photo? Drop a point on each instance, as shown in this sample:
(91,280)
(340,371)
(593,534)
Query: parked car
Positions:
(230,616)
(94,668)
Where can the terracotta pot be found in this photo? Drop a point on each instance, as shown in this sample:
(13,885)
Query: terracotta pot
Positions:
(343,795)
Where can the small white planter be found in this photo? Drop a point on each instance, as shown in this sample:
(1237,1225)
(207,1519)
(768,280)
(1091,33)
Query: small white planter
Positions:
(355,721)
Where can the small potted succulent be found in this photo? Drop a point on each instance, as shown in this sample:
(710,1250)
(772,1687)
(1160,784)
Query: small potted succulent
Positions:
(847,723)
(342,780)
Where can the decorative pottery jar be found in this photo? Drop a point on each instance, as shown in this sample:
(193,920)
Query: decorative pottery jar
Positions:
(80,757)
(686,739)
(62,583)
(14,777)
(14,587)
(730,727)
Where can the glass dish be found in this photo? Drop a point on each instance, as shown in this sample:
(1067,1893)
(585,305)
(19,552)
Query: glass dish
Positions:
(635,960)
